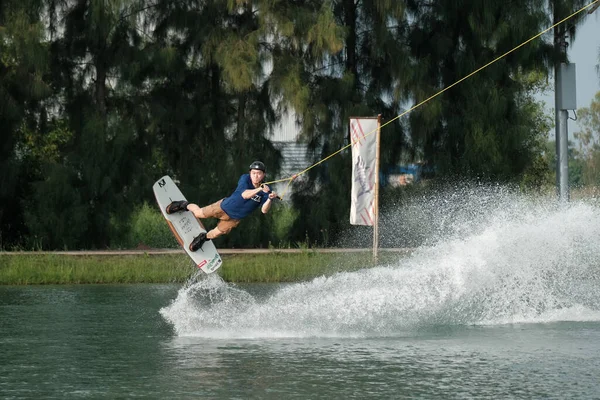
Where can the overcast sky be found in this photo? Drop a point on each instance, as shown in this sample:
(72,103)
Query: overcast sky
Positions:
(584,53)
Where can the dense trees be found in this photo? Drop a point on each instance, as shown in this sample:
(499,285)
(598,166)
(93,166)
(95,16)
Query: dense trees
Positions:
(98,98)
(588,145)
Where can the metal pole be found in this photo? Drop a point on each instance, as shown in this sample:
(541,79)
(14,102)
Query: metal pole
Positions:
(561,117)
(376,202)
(564,156)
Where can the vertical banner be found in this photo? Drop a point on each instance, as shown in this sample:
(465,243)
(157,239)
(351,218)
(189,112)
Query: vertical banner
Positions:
(364,133)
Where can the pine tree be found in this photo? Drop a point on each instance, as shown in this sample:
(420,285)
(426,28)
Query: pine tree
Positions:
(89,183)
(23,89)
(360,72)
(480,128)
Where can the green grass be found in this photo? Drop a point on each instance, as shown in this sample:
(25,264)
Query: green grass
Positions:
(63,269)
(292,267)
(41,269)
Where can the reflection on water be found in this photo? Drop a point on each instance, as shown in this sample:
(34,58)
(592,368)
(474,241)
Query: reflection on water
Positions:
(507,361)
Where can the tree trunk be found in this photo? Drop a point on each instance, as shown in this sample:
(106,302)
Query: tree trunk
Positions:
(101,88)
(350,22)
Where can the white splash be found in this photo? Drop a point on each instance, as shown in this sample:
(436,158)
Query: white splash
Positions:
(506,259)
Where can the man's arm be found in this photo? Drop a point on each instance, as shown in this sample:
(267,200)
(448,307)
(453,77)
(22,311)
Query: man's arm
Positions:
(267,206)
(249,193)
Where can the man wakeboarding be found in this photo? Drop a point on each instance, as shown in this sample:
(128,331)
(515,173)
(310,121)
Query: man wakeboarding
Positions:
(250,194)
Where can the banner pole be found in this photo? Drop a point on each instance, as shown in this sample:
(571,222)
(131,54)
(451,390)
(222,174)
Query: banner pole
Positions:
(376,202)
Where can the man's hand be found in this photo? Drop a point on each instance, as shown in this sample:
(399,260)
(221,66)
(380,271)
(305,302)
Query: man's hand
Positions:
(273,195)
(265,188)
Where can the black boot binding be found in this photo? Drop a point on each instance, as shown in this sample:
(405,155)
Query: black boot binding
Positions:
(177,206)
(198,242)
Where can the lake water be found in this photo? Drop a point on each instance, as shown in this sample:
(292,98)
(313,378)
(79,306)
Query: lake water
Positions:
(509,310)
(112,342)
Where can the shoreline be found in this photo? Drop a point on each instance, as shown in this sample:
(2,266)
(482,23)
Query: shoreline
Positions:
(174,265)
(402,250)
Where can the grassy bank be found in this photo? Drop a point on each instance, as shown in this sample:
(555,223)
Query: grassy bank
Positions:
(33,269)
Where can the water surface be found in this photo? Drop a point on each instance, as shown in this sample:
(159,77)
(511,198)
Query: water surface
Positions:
(111,342)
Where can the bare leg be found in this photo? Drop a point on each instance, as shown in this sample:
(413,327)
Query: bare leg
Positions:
(197,211)
(214,233)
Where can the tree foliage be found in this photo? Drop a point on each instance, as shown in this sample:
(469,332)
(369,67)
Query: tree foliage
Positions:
(588,149)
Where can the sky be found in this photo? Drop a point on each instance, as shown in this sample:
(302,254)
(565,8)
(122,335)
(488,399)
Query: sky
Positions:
(584,52)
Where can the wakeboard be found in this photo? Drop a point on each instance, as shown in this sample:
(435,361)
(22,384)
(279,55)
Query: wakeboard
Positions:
(185,226)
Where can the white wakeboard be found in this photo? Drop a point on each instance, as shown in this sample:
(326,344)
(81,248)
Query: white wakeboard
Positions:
(185,226)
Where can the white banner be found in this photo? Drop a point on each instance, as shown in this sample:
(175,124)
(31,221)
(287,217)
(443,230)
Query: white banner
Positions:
(363,136)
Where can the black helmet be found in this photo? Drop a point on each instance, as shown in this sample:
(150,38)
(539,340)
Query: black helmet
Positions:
(258,165)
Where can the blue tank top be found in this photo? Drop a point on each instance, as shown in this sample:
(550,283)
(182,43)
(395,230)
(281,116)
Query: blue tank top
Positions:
(236,206)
